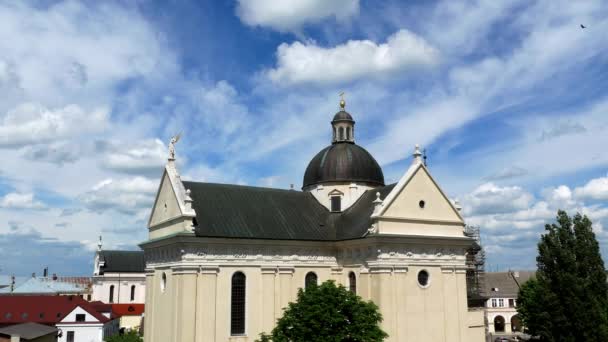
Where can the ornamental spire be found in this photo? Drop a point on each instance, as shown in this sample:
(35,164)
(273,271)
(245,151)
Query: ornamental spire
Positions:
(342,101)
(417,155)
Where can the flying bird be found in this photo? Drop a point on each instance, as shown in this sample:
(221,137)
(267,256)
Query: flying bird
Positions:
(583,26)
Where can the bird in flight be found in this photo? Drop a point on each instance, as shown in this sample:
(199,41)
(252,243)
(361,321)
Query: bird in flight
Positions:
(583,26)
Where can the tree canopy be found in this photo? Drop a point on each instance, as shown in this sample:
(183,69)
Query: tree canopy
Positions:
(128,336)
(568,300)
(328,312)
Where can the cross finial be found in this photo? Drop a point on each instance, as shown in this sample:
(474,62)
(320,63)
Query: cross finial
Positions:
(99,244)
(417,154)
(342,101)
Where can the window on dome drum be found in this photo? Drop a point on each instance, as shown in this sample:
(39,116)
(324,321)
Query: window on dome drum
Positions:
(423,278)
(341,130)
(111,300)
(237,307)
(80,317)
(336,203)
(352,282)
(163,282)
(348,133)
(132,292)
(310,280)
(70,336)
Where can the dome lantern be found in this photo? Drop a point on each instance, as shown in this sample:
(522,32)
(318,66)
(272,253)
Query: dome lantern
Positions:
(343,125)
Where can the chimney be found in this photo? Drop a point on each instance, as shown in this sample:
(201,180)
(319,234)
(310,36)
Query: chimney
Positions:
(54,276)
(45,272)
(34,275)
(12,283)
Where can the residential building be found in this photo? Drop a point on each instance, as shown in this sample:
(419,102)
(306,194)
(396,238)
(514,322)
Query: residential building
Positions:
(501,289)
(118,277)
(223,260)
(76,319)
(54,285)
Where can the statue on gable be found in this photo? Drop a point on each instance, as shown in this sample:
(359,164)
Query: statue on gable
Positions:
(172,143)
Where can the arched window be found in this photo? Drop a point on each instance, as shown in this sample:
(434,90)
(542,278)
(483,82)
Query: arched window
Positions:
(132,292)
(348,133)
(111,294)
(352,282)
(237,313)
(516,324)
(499,324)
(341,131)
(310,280)
(335,133)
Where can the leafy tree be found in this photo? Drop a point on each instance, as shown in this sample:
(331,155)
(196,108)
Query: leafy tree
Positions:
(328,313)
(568,300)
(128,336)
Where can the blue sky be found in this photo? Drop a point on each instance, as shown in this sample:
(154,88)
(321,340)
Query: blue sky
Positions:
(509,98)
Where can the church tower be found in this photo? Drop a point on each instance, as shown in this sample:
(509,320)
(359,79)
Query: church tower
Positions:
(340,173)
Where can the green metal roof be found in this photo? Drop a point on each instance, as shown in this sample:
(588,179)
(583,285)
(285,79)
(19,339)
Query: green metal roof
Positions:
(235,211)
(123,261)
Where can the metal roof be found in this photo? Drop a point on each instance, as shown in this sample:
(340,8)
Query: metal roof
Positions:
(235,211)
(122,261)
(28,331)
(48,285)
(505,284)
(343,162)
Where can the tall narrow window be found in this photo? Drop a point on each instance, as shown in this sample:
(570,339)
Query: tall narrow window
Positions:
(132,292)
(310,280)
(237,314)
(341,130)
(111,300)
(348,133)
(352,282)
(336,203)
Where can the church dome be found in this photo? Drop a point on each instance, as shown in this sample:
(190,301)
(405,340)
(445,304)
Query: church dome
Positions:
(343,162)
(342,116)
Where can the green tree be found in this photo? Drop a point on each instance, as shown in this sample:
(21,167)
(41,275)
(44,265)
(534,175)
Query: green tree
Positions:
(128,336)
(328,313)
(568,300)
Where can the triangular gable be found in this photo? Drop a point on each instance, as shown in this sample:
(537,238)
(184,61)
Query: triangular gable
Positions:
(166,205)
(86,309)
(171,192)
(415,186)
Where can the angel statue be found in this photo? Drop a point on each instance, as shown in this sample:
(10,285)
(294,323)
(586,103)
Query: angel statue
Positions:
(172,143)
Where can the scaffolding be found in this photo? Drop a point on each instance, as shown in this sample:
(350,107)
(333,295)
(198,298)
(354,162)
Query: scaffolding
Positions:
(476,260)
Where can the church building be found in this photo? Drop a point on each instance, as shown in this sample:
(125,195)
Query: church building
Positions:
(223,260)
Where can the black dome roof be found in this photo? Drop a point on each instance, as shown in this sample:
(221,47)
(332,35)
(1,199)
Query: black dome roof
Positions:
(343,162)
(342,116)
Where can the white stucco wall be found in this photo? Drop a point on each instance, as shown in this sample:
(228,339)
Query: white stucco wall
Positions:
(122,287)
(90,331)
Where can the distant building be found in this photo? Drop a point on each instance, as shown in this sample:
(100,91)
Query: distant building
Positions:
(501,289)
(76,319)
(31,332)
(118,277)
(63,286)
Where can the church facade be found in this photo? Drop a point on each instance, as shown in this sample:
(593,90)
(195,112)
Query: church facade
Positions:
(222,261)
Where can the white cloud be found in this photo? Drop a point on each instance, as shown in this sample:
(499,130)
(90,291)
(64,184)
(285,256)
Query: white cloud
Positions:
(311,63)
(142,157)
(15,200)
(58,153)
(31,123)
(129,196)
(596,189)
(491,198)
(291,15)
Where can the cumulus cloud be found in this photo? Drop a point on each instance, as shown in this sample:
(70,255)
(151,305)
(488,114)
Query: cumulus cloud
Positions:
(128,196)
(491,198)
(59,153)
(31,123)
(16,200)
(143,157)
(291,15)
(311,63)
(596,189)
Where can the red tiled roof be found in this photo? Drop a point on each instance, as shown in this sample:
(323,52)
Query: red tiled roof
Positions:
(127,309)
(48,310)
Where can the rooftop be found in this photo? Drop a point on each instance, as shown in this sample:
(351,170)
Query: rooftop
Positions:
(28,331)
